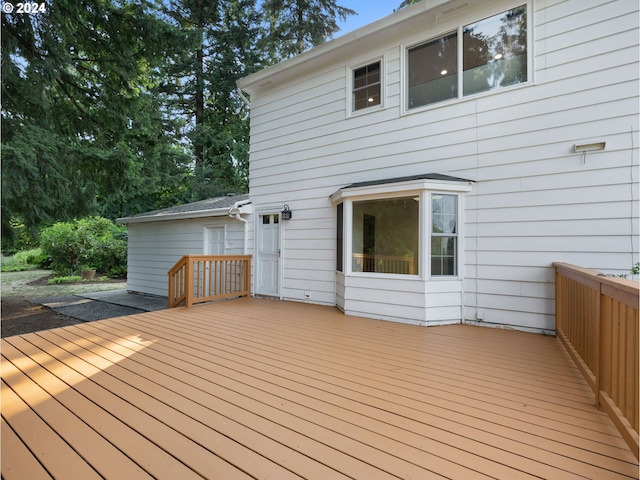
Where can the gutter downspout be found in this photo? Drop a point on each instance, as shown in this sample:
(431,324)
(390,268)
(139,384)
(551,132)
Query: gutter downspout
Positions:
(236,206)
(243,97)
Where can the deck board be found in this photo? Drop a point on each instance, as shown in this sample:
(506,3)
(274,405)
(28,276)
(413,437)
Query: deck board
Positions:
(254,388)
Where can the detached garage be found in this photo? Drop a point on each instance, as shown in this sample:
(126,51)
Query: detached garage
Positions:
(158,239)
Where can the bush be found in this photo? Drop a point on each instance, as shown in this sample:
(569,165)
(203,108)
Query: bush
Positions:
(66,279)
(94,241)
(25,260)
(35,256)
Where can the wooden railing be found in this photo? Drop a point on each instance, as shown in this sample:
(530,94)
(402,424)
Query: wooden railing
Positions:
(203,278)
(383,264)
(597,320)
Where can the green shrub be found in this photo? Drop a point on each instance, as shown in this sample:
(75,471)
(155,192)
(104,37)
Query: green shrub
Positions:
(66,246)
(25,260)
(65,279)
(35,256)
(119,271)
(93,241)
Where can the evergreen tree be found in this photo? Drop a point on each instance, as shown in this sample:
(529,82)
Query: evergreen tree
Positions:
(121,106)
(73,79)
(201,86)
(406,3)
(298,25)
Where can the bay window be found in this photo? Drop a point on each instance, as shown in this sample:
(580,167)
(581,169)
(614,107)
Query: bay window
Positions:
(385,235)
(407,226)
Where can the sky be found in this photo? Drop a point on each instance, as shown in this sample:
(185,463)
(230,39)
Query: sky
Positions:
(368,11)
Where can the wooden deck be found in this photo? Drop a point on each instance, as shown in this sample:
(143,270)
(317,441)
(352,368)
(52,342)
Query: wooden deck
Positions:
(255,388)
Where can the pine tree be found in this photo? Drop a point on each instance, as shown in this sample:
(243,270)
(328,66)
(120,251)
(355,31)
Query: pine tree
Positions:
(73,80)
(201,86)
(298,25)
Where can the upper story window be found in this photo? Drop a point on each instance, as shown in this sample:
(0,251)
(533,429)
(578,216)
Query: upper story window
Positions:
(433,71)
(491,55)
(366,86)
(494,51)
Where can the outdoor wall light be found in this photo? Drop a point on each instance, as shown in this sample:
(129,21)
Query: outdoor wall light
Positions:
(286,213)
(589,147)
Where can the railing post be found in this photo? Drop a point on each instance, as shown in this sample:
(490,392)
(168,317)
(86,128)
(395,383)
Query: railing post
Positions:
(247,276)
(171,289)
(188,282)
(597,367)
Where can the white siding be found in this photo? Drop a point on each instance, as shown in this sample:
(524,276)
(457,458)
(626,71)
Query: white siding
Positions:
(155,247)
(534,201)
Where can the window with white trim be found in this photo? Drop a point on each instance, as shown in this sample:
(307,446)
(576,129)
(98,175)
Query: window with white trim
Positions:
(366,86)
(491,55)
(407,228)
(444,235)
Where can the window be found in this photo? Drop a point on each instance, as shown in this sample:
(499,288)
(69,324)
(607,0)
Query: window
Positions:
(403,226)
(444,234)
(495,52)
(267,219)
(433,71)
(366,86)
(385,235)
(492,55)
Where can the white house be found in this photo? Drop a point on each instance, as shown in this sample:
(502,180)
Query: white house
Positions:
(436,162)
(158,239)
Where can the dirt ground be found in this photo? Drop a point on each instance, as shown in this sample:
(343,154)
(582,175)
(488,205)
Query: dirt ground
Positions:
(18,315)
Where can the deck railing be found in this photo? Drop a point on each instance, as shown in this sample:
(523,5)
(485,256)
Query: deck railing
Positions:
(597,319)
(383,263)
(204,278)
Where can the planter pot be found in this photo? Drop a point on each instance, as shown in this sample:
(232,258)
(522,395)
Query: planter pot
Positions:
(88,274)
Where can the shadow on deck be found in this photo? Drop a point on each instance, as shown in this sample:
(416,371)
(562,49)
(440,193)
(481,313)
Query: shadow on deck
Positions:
(254,388)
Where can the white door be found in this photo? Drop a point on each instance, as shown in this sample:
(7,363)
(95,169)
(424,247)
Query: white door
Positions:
(268,253)
(214,241)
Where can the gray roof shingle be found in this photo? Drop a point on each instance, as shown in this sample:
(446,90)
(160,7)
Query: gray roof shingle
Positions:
(210,204)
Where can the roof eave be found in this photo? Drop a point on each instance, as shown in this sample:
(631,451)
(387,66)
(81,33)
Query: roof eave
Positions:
(401,188)
(258,80)
(165,217)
